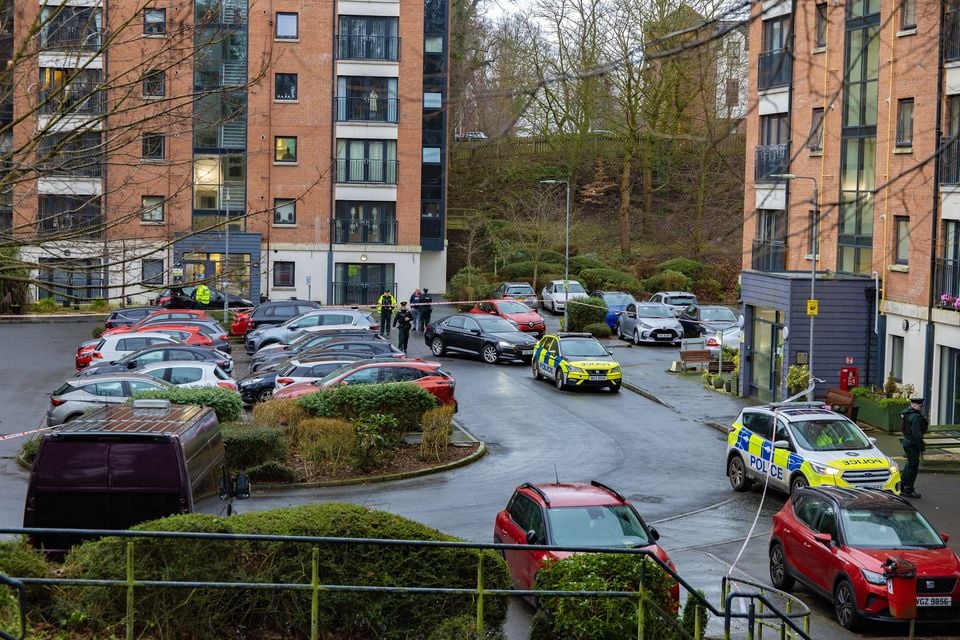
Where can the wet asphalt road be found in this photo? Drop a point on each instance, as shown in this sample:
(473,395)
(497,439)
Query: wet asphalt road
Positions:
(669,465)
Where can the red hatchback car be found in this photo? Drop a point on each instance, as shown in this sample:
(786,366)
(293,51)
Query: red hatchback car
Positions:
(569,514)
(836,542)
(428,375)
(171,315)
(518,313)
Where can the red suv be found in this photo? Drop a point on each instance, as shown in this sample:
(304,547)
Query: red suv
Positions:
(518,313)
(167,315)
(837,540)
(569,514)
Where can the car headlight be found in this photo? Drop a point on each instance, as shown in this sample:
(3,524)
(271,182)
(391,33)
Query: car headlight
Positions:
(823,470)
(893,467)
(614,368)
(250,382)
(572,369)
(873,577)
(505,344)
(645,325)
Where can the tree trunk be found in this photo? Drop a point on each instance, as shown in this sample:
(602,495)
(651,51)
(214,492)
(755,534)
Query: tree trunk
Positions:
(625,191)
(647,195)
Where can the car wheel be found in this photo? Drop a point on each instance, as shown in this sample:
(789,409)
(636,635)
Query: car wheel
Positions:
(264,395)
(437,347)
(72,417)
(535,370)
(558,380)
(779,576)
(798,482)
(490,354)
(636,336)
(845,605)
(615,387)
(737,474)
(620,335)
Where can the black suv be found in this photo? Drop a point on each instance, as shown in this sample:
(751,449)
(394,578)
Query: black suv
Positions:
(279,311)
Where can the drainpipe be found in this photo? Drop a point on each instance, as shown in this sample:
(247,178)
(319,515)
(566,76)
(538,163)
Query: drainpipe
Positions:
(332,175)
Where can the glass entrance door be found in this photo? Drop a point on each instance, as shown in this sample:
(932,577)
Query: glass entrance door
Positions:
(949,410)
(362,283)
(766,349)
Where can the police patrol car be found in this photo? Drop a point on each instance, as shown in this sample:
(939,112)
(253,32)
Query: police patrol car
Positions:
(804,444)
(575,360)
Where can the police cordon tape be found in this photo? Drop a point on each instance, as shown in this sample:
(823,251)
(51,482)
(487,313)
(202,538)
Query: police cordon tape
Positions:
(11,436)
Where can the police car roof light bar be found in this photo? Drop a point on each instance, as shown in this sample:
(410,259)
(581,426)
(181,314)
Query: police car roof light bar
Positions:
(786,404)
(538,491)
(616,493)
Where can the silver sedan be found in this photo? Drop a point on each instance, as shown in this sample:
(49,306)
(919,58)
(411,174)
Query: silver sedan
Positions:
(76,396)
(649,322)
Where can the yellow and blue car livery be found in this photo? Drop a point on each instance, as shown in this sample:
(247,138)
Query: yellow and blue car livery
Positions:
(751,457)
(575,360)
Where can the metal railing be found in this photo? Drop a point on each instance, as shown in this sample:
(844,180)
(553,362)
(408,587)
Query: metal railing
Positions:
(365,232)
(368,48)
(951,35)
(360,293)
(760,603)
(84,38)
(947,278)
(368,109)
(366,170)
(950,162)
(431,227)
(770,159)
(775,69)
(769,255)
(73,99)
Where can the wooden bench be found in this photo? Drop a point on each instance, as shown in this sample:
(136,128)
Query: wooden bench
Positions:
(695,356)
(714,365)
(841,401)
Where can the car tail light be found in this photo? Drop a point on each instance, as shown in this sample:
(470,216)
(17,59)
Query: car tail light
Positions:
(227,385)
(284,380)
(204,340)
(224,338)
(57,401)
(375,327)
(96,355)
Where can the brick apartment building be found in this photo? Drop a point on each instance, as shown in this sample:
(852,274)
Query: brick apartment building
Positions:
(282,148)
(854,112)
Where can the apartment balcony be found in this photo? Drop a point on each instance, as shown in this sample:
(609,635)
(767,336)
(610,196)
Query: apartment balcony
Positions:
(384,48)
(367,170)
(82,38)
(775,69)
(367,110)
(70,220)
(769,255)
(950,163)
(770,159)
(365,232)
(951,36)
(946,281)
(74,99)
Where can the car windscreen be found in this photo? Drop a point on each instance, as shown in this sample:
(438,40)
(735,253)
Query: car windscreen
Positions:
(575,287)
(829,435)
(521,291)
(333,375)
(717,315)
(583,348)
(598,526)
(514,307)
(653,311)
(881,528)
(494,324)
(617,299)
(681,301)
(66,387)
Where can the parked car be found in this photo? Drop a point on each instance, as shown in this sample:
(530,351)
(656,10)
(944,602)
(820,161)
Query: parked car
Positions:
(519,291)
(518,313)
(838,542)
(314,341)
(492,338)
(75,397)
(216,299)
(555,294)
(472,136)
(258,386)
(127,316)
(569,514)
(114,347)
(85,353)
(161,353)
(162,316)
(190,374)
(698,320)
(575,360)
(187,334)
(310,369)
(210,328)
(616,302)
(649,322)
(319,319)
(428,375)
(676,300)
(276,312)
(729,337)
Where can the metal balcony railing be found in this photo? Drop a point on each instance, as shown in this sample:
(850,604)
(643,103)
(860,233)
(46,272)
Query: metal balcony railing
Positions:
(947,278)
(85,38)
(74,99)
(770,159)
(368,48)
(769,255)
(775,69)
(431,227)
(365,232)
(366,170)
(950,163)
(951,36)
(367,109)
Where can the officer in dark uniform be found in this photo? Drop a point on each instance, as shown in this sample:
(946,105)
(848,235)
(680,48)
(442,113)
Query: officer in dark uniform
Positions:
(914,425)
(403,321)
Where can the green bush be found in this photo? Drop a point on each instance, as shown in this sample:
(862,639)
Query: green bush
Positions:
(45,305)
(463,628)
(469,283)
(599,330)
(798,378)
(99,305)
(895,403)
(19,560)
(524,270)
(609,279)
(317,441)
(250,445)
(667,281)
(377,437)
(435,428)
(200,614)
(585,311)
(226,403)
(585,261)
(607,618)
(29,449)
(271,471)
(708,290)
(98,331)
(687,266)
(404,401)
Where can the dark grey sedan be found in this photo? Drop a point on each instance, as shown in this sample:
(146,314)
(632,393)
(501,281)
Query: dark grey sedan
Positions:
(490,337)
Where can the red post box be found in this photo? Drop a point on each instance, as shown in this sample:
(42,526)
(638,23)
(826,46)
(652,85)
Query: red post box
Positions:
(849,378)
(901,578)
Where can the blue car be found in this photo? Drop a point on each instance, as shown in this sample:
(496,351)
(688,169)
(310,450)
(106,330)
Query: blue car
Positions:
(617,302)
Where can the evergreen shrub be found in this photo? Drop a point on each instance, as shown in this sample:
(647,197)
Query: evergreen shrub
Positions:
(586,311)
(404,401)
(594,279)
(226,403)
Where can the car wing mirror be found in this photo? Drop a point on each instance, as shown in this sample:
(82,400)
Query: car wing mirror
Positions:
(609,353)
(293,327)
(631,314)
(475,332)
(781,444)
(654,533)
(872,440)
(945,537)
(823,538)
(531,537)
(236,487)
(132,364)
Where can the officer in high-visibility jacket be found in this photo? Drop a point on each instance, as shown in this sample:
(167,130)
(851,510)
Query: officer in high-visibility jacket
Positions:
(385,306)
(202,294)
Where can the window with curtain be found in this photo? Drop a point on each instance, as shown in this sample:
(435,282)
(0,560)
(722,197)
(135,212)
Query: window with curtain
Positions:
(284,274)
(367,161)
(815,139)
(821,33)
(905,122)
(901,239)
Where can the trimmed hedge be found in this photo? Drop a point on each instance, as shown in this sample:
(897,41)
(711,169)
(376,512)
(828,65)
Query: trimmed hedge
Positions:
(469,283)
(227,614)
(271,471)
(687,266)
(609,279)
(667,281)
(708,290)
(599,330)
(250,445)
(586,311)
(19,560)
(404,401)
(585,261)
(226,403)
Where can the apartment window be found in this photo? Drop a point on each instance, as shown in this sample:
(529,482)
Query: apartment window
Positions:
(152,146)
(285,86)
(284,149)
(732,91)
(775,57)
(774,129)
(901,239)
(367,98)
(151,209)
(908,14)
(154,84)
(821,26)
(815,140)
(284,274)
(431,155)
(287,26)
(151,271)
(433,44)
(154,22)
(368,38)
(896,357)
(905,122)
(284,211)
(367,161)
(432,100)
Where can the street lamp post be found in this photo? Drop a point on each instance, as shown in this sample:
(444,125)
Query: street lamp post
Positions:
(566,255)
(814,229)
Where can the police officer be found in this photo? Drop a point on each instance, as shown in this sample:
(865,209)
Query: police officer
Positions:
(202,294)
(403,322)
(914,425)
(385,307)
(426,309)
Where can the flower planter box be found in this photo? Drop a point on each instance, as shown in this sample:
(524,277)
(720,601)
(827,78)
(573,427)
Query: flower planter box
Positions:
(885,418)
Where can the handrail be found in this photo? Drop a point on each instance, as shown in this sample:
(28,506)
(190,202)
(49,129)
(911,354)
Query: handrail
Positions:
(761,617)
(22,598)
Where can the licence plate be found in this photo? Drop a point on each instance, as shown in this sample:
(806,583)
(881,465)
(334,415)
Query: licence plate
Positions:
(934,601)
(661,334)
(527,352)
(598,377)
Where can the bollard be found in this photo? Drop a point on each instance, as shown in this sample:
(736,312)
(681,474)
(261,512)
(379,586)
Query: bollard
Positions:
(315,594)
(480,594)
(130,600)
